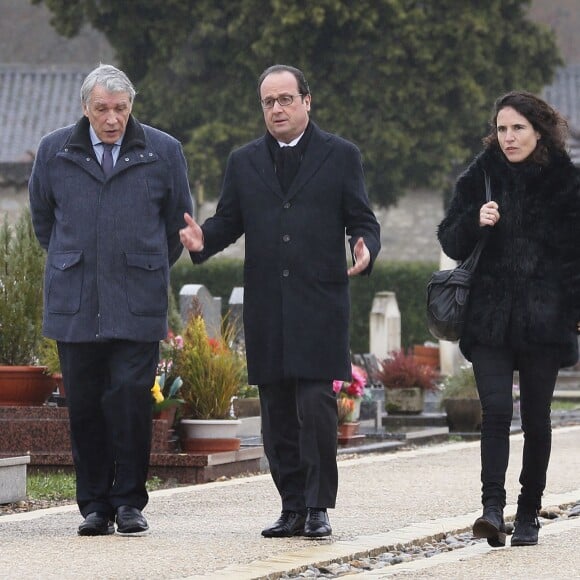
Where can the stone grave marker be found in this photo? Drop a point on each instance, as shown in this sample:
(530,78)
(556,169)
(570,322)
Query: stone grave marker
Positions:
(196,296)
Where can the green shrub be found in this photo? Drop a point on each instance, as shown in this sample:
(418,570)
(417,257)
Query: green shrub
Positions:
(460,385)
(173,317)
(48,356)
(21,281)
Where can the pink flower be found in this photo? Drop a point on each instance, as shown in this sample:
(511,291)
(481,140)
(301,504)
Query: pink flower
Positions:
(355,388)
(336,386)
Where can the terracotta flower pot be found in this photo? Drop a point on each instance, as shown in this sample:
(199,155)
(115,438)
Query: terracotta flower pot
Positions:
(348,433)
(167,414)
(24,386)
(347,430)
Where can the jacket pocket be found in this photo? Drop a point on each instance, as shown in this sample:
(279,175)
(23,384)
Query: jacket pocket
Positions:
(64,282)
(147,284)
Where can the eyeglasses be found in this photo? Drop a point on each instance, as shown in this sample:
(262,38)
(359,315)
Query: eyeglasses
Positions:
(282,100)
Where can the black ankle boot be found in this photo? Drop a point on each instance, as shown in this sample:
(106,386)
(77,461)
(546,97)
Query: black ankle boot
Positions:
(491,525)
(526,529)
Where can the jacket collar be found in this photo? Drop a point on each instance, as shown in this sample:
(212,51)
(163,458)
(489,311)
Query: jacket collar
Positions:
(134,136)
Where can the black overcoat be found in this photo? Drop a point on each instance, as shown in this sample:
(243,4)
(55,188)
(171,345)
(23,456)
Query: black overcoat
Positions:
(526,288)
(296,290)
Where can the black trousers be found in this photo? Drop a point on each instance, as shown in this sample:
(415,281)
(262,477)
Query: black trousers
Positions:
(299,431)
(494,371)
(108,390)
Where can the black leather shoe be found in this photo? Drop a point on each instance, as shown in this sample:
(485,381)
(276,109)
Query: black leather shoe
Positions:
(287,525)
(96,524)
(526,529)
(130,521)
(491,526)
(317,524)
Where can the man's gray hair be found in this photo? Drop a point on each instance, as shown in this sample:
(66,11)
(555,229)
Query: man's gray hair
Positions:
(109,77)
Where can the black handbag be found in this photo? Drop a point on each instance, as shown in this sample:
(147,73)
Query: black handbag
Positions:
(448,291)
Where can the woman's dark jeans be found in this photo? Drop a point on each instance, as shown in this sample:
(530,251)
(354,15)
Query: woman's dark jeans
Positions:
(494,370)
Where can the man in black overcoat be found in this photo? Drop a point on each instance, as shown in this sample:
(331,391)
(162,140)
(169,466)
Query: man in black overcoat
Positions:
(294,193)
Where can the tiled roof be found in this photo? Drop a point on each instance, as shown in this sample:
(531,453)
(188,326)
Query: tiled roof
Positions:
(564,95)
(35,100)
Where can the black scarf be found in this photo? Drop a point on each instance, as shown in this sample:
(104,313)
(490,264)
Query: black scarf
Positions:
(287,159)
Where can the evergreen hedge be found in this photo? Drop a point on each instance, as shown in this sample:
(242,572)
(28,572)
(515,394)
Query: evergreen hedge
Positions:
(21,280)
(407,279)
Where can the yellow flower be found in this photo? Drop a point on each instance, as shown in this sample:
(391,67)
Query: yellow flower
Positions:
(156,392)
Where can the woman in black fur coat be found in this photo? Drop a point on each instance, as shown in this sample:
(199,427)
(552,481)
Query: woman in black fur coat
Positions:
(525,299)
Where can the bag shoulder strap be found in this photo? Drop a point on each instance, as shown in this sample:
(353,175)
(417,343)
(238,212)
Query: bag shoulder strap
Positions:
(487,187)
(471,261)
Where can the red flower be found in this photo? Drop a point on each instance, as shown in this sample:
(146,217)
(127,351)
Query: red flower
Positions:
(216,345)
(354,389)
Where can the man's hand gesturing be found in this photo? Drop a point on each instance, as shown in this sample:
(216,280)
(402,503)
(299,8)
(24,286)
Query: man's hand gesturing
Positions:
(191,235)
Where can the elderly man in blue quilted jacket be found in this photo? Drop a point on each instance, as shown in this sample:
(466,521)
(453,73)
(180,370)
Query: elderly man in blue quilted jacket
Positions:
(107,196)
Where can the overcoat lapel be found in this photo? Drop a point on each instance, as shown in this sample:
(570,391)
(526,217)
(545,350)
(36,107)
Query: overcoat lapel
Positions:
(317,151)
(263,164)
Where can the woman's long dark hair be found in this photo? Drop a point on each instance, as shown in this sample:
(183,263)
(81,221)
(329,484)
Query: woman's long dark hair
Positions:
(548,122)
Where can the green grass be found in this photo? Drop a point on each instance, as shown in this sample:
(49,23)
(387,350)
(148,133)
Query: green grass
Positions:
(60,486)
(565,405)
(56,486)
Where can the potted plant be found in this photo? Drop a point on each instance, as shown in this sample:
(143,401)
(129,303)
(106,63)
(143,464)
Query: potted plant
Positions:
(405,382)
(22,381)
(211,372)
(166,390)
(349,395)
(460,400)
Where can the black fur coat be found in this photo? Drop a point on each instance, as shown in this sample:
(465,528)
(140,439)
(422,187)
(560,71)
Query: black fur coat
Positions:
(526,289)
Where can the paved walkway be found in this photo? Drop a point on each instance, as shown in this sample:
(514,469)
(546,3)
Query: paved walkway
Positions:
(213,530)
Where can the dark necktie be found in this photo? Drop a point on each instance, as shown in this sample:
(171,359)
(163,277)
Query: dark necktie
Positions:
(107,162)
(287,162)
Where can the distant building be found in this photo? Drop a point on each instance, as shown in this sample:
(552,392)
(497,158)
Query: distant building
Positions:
(564,95)
(34,100)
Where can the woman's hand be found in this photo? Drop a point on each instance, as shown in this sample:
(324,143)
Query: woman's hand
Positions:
(488,214)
